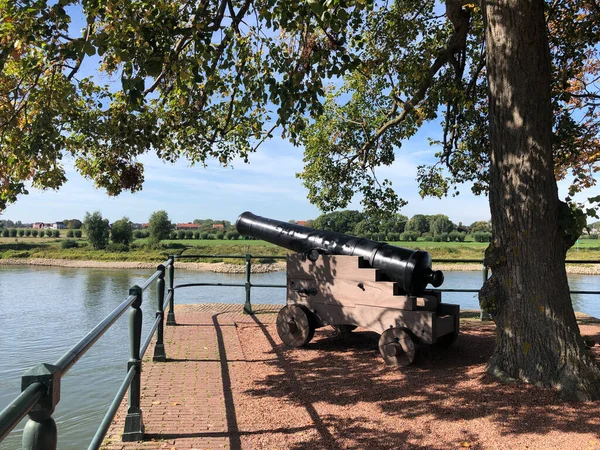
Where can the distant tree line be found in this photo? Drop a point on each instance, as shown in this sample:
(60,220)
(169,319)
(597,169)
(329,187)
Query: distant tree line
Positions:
(29,232)
(69,224)
(437,227)
(120,235)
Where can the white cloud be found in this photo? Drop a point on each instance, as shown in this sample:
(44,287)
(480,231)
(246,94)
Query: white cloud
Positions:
(267,186)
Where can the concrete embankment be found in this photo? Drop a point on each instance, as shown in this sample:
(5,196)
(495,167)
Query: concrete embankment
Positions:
(582,269)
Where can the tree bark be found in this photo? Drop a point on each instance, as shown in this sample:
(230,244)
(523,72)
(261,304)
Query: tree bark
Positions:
(538,339)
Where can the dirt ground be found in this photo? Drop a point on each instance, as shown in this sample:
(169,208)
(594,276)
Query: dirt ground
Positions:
(337,394)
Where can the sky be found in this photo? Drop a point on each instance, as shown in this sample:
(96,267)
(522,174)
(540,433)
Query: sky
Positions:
(267,186)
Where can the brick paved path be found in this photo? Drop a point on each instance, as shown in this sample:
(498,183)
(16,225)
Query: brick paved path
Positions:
(187,401)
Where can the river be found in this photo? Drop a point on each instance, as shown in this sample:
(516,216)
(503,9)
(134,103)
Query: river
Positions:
(44,311)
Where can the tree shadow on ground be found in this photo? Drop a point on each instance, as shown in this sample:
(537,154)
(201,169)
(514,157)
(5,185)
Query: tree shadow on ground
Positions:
(448,385)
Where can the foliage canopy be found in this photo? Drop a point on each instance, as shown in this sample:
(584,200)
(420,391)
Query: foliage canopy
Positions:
(159,226)
(418,65)
(121,231)
(204,80)
(190,79)
(97,229)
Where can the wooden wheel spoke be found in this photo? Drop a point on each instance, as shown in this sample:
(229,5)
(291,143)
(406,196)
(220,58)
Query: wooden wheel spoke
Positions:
(397,347)
(294,325)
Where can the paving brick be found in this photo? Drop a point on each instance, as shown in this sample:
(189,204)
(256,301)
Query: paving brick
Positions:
(184,402)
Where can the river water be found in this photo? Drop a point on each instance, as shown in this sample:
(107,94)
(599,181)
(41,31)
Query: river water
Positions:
(44,311)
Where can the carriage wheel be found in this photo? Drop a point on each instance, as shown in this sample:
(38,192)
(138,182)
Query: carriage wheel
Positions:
(397,347)
(295,325)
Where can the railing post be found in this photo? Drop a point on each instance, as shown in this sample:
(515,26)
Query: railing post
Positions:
(248,285)
(159,348)
(40,430)
(134,424)
(171,314)
(483,316)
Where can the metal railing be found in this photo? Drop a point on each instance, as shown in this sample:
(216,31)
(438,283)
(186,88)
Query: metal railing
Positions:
(248,270)
(40,385)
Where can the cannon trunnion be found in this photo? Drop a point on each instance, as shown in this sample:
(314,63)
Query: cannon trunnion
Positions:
(345,292)
(345,281)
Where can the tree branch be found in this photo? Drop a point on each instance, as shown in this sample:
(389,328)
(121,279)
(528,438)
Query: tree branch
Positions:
(409,105)
(460,20)
(478,70)
(586,95)
(267,134)
(88,32)
(179,47)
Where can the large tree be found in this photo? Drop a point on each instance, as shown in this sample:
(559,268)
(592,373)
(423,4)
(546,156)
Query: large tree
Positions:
(513,121)
(514,84)
(121,231)
(418,223)
(159,226)
(97,229)
(339,221)
(529,282)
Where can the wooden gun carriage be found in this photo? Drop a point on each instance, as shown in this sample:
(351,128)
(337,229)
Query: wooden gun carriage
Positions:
(350,282)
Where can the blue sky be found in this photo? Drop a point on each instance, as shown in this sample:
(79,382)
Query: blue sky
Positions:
(266,186)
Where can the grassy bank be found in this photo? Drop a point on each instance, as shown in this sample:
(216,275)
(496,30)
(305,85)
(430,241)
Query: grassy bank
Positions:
(50,248)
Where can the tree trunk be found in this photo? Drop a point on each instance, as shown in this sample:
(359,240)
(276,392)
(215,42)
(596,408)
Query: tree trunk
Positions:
(538,339)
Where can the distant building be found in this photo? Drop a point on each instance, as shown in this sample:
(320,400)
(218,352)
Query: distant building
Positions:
(302,223)
(52,226)
(187,226)
(144,225)
(136,226)
(218,226)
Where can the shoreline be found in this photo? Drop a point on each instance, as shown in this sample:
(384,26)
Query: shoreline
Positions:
(580,269)
(219,267)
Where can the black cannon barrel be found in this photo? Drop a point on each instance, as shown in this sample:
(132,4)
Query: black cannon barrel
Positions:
(410,268)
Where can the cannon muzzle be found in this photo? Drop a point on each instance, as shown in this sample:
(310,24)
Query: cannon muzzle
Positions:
(410,268)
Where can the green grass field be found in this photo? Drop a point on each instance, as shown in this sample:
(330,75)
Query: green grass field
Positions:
(50,248)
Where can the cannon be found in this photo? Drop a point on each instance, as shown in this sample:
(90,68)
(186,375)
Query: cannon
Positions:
(348,282)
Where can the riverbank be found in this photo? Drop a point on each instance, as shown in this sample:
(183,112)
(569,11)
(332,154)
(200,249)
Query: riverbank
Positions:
(220,267)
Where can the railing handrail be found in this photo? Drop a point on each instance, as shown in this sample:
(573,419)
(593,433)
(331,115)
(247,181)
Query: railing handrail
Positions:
(20,407)
(231,256)
(248,257)
(74,354)
(43,383)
